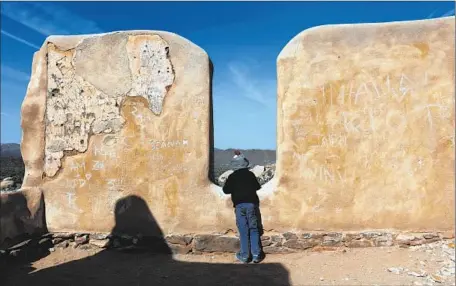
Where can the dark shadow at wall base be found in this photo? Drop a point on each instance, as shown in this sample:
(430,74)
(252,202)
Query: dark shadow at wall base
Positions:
(134,268)
(211,174)
(22,217)
(116,268)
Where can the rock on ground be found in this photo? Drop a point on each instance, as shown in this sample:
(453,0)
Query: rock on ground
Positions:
(8,184)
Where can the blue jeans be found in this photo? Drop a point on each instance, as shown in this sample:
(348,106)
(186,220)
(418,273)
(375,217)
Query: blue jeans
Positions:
(247,221)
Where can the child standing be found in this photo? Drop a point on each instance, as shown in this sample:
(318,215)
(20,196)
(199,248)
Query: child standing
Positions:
(243,185)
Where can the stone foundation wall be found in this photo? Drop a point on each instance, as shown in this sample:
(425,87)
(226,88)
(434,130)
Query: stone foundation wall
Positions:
(219,243)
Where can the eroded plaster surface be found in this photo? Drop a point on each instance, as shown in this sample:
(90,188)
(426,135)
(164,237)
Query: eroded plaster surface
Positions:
(366,126)
(151,69)
(365,131)
(85,93)
(146,133)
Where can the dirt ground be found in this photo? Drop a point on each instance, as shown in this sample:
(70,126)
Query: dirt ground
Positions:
(367,266)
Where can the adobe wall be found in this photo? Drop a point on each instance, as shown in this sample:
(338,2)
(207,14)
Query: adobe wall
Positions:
(365,132)
(366,127)
(114,115)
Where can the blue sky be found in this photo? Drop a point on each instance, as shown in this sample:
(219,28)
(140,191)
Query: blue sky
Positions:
(243,40)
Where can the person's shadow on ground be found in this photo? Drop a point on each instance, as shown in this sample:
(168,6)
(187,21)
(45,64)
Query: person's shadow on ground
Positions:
(110,267)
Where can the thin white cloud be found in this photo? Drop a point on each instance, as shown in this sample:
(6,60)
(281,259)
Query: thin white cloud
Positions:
(14,84)
(14,74)
(48,18)
(432,14)
(448,13)
(20,40)
(4,114)
(250,85)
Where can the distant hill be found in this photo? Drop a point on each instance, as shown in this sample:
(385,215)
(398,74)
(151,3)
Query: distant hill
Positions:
(10,150)
(221,157)
(255,156)
(13,166)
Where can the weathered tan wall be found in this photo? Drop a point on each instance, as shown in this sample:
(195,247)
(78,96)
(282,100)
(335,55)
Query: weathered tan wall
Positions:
(365,131)
(366,127)
(115,115)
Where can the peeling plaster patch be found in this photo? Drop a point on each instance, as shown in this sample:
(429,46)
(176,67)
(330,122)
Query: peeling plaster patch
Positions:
(86,87)
(109,140)
(74,109)
(151,69)
(102,61)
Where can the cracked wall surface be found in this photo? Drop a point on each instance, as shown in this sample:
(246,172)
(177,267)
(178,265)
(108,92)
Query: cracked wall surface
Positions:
(80,102)
(74,110)
(124,113)
(151,69)
(366,126)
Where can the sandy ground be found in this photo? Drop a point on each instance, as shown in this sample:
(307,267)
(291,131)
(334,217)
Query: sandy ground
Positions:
(367,266)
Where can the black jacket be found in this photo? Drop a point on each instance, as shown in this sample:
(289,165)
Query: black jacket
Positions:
(242,185)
